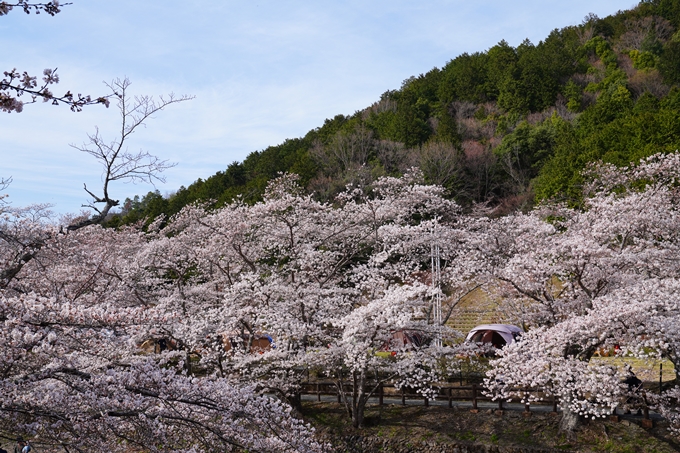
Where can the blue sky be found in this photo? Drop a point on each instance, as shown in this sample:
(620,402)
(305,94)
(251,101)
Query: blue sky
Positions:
(261,72)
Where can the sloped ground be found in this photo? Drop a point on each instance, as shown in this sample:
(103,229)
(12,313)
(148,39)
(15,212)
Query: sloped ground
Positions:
(474,309)
(435,429)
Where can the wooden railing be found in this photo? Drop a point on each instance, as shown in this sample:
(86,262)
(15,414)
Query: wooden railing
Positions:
(473,394)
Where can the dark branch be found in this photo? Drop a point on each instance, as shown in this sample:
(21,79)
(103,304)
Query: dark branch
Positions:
(15,84)
(52,8)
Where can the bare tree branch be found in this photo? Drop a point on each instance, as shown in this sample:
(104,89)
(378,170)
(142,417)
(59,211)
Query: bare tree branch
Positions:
(15,84)
(52,8)
(4,183)
(119,164)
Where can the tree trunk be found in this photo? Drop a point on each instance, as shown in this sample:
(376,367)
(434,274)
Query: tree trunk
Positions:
(359,400)
(676,370)
(358,416)
(345,399)
(295,401)
(355,402)
(570,421)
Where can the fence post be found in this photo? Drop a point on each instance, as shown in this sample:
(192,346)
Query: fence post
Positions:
(646,421)
(450,401)
(380,395)
(427,401)
(474,397)
(339,391)
(403,397)
(660,377)
(554,411)
(527,406)
(613,417)
(318,392)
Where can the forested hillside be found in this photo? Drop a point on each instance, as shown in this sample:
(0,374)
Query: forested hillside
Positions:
(507,126)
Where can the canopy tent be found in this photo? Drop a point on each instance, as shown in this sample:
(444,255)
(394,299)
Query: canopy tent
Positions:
(401,338)
(496,334)
(259,343)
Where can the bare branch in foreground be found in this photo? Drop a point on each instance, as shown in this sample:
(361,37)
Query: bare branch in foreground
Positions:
(15,84)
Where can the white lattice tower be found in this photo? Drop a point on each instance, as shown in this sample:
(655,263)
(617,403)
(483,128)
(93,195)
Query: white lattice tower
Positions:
(435,264)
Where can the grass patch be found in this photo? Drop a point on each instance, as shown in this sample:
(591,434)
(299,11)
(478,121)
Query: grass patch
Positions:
(646,370)
(467,436)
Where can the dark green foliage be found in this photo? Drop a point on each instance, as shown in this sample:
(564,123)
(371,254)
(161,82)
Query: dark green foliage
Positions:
(502,61)
(136,210)
(465,78)
(574,95)
(642,60)
(499,126)
(668,9)
(560,176)
(638,131)
(669,63)
(416,102)
(524,151)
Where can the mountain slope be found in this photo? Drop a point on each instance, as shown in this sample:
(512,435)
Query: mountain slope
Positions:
(507,126)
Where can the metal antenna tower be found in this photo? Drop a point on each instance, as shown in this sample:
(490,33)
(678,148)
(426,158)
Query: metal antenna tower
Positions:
(435,263)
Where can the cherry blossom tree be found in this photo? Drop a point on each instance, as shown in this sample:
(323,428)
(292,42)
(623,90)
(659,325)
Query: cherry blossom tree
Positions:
(336,288)
(330,284)
(589,279)
(23,232)
(75,306)
(72,374)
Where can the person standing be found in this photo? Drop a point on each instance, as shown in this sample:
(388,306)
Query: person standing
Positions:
(19,447)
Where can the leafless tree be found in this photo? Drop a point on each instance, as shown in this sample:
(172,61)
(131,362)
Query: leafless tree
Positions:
(650,81)
(642,29)
(394,156)
(440,163)
(385,104)
(345,151)
(511,162)
(119,164)
(480,165)
(463,109)
(586,31)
